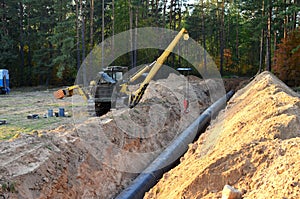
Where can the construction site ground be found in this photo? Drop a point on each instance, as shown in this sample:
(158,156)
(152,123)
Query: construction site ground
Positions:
(253,145)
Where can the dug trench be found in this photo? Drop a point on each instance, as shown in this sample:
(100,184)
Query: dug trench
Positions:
(100,156)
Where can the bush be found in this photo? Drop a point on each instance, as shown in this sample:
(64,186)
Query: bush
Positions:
(287,59)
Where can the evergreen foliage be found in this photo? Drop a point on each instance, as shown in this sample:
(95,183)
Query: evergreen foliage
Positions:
(43,42)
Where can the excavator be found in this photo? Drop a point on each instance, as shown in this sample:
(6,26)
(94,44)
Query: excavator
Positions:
(100,94)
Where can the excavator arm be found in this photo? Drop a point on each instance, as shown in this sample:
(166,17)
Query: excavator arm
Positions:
(69,91)
(135,76)
(136,96)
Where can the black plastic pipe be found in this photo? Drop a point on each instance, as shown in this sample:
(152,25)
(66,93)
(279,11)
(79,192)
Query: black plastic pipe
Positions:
(167,159)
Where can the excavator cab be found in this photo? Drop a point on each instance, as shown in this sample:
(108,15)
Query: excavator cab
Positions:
(115,72)
(103,89)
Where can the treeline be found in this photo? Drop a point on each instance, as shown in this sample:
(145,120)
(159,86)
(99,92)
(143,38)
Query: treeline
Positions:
(242,36)
(44,42)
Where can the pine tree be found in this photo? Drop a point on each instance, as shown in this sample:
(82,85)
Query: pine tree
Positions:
(63,39)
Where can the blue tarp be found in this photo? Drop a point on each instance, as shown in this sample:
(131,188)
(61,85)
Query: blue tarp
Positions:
(4,81)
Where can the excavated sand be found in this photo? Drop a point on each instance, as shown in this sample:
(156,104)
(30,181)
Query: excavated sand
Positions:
(254,146)
(100,157)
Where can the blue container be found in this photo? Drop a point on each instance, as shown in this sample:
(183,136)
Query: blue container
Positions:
(61,112)
(4,81)
(50,113)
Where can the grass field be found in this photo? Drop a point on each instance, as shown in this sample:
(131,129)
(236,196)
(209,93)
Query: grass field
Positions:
(15,107)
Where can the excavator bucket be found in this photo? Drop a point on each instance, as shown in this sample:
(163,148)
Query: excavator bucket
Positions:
(60,94)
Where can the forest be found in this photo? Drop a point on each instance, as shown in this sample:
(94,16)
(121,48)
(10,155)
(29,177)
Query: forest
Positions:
(43,42)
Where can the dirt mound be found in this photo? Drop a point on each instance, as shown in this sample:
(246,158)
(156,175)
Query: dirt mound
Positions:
(235,83)
(232,83)
(98,158)
(254,146)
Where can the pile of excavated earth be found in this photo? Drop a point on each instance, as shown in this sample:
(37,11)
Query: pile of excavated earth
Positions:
(252,146)
(251,149)
(99,157)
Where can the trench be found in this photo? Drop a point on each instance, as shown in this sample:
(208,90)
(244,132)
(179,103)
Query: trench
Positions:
(168,159)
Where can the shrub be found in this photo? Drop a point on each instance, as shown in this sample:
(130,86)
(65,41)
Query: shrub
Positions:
(287,59)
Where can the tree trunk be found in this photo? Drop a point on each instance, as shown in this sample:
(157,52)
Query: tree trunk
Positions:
(49,69)
(203,36)
(179,26)
(146,9)
(222,46)
(135,37)
(261,51)
(156,10)
(131,34)
(152,8)
(164,13)
(237,38)
(295,14)
(90,61)
(171,15)
(91,25)
(77,36)
(83,50)
(85,83)
(268,65)
(21,45)
(179,14)
(29,46)
(285,21)
(113,30)
(176,3)
(275,41)
(102,36)
(3,18)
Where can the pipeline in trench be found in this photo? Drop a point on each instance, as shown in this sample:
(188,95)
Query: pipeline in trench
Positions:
(165,161)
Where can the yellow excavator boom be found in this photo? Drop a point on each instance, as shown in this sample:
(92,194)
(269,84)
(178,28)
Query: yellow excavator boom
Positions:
(136,96)
(69,91)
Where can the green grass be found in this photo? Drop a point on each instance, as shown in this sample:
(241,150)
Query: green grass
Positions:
(15,107)
(56,105)
(8,131)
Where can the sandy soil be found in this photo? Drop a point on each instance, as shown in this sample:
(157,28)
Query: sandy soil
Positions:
(98,157)
(254,146)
